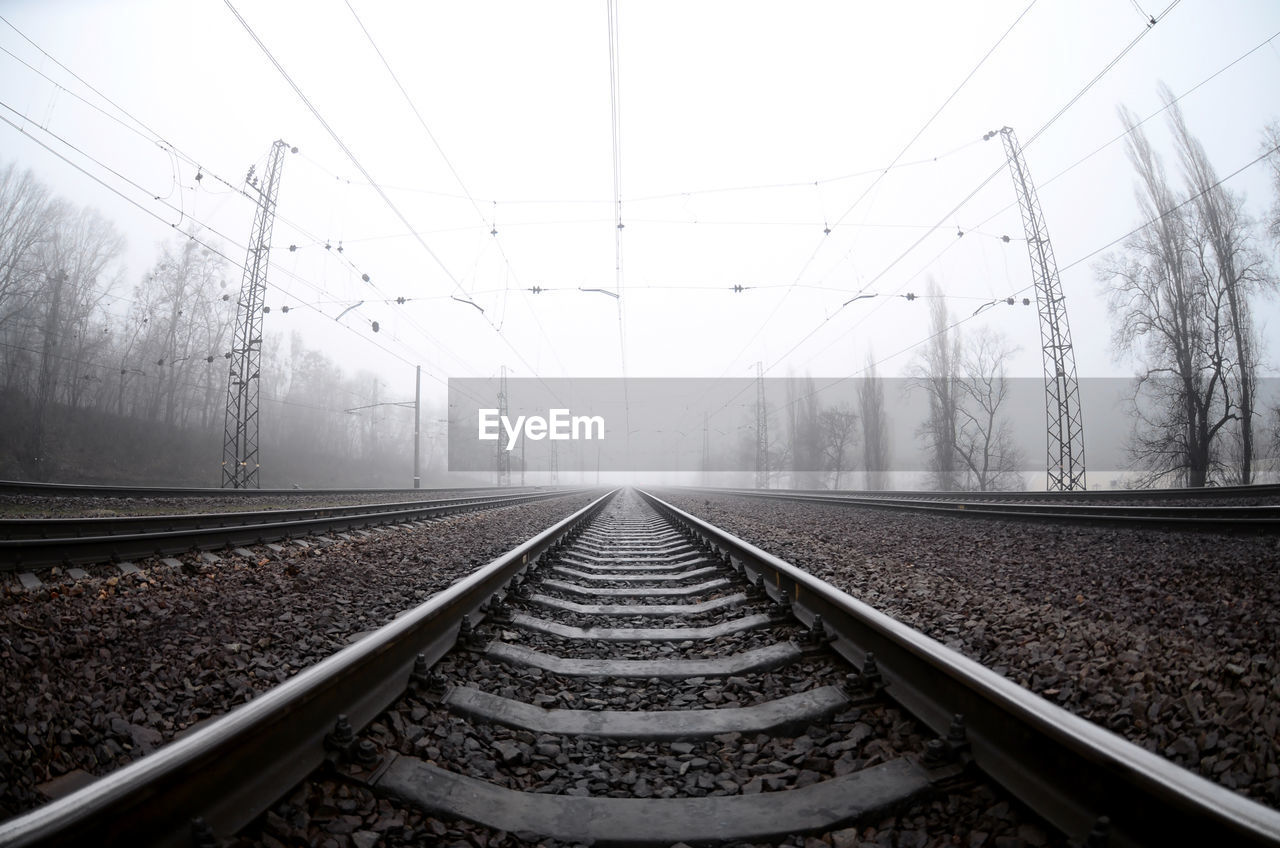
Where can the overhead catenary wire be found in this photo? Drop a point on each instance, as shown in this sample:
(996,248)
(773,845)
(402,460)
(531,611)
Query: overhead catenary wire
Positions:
(137,127)
(615,108)
(444,157)
(813,255)
(1125,133)
(212,248)
(1078,261)
(951,213)
(365,173)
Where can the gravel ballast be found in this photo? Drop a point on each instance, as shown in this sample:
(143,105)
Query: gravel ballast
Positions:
(336,813)
(1171,639)
(100,671)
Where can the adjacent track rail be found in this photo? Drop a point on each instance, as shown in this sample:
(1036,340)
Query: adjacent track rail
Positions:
(665,567)
(26,543)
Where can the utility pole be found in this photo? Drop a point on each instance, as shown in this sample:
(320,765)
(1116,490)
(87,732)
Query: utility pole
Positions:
(417,426)
(240,461)
(762,431)
(706,450)
(504,455)
(1065,451)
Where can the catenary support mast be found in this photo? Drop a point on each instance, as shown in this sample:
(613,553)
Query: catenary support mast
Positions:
(240,461)
(762,431)
(1065,462)
(503,456)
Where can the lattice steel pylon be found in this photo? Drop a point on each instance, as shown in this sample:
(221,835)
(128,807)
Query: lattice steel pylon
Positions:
(504,456)
(240,461)
(1064,466)
(762,431)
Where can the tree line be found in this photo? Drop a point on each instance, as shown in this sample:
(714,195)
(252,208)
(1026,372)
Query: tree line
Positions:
(103,381)
(1183,291)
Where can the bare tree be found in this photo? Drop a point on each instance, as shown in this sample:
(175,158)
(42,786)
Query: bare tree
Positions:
(838,431)
(937,371)
(28,216)
(984,437)
(66,310)
(186,321)
(1172,317)
(1227,261)
(875,427)
(1271,146)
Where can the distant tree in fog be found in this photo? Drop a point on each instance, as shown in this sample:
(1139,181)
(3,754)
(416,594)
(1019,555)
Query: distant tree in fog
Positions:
(27,219)
(63,322)
(936,370)
(838,431)
(1181,291)
(804,444)
(186,321)
(984,436)
(875,426)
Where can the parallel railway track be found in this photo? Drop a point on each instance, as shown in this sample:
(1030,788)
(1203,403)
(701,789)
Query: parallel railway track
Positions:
(1068,507)
(641,600)
(27,543)
(86,490)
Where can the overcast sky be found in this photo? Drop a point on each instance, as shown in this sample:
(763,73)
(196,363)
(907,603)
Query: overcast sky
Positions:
(746,130)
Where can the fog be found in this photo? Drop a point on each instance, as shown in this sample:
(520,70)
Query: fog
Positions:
(789,183)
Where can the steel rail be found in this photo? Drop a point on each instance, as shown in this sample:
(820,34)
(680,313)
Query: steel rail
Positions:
(1263,518)
(87,490)
(1067,769)
(231,770)
(259,528)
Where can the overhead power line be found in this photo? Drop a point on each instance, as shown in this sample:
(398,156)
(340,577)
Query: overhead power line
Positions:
(777,307)
(418,358)
(448,163)
(949,216)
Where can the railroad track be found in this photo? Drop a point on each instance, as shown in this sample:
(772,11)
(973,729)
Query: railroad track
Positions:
(31,542)
(1266,491)
(634,632)
(1077,507)
(86,490)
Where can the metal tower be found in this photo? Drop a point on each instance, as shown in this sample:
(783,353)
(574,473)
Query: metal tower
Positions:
(762,431)
(504,455)
(240,431)
(706,450)
(1065,464)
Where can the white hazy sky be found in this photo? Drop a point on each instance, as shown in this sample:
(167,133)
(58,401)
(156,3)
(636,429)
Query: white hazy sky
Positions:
(747,129)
